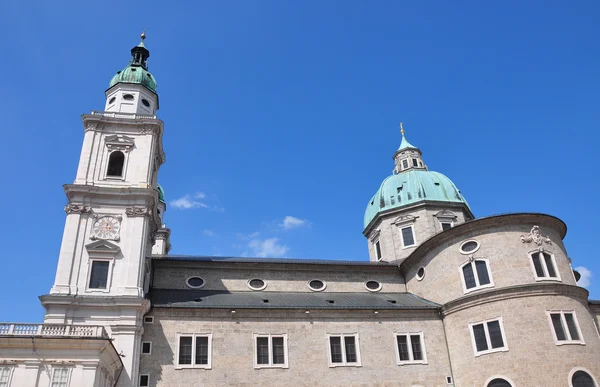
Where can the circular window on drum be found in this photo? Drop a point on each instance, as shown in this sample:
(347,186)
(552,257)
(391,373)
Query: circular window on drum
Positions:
(469,247)
(256,284)
(420,274)
(128,97)
(373,286)
(145,102)
(195,282)
(316,285)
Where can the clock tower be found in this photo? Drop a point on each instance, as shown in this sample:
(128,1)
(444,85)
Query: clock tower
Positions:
(113,215)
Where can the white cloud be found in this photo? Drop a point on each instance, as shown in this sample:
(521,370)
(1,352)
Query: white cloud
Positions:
(586,276)
(290,222)
(209,233)
(270,247)
(191,201)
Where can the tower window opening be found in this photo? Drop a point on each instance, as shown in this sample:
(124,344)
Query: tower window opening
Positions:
(145,102)
(415,163)
(404,164)
(128,97)
(392,200)
(112,100)
(378,249)
(115,164)
(399,189)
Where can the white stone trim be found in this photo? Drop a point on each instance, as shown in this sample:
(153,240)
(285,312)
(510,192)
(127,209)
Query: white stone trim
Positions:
(410,350)
(509,381)
(257,289)
(10,369)
(314,289)
(469,252)
(420,277)
(412,229)
(105,163)
(476,275)
(487,337)
(111,264)
(572,372)
(376,242)
(565,327)
(544,266)
(57,367)
(193,365)
(270,337)
(344,363)
(194,287)
(373,290)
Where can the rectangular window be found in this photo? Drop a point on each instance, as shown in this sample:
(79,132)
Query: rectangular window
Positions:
(488,336)
(149,320)
(404,164)
(378,249)
(565,327)
(5,374)
(446,226)
(415,163)
(343,350)
(146,347)
(544,266)
(194,351)
(99,274)
(476,275)
(144,380)
(60,377)
(410,348)
(271,351)
(408,237)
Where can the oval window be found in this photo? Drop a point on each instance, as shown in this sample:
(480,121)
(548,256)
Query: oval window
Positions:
(373,286)
(469,247)
(316,285)
(421,274)
(195,282)
(257,284)
(145,102)
(128,97)
(112,100)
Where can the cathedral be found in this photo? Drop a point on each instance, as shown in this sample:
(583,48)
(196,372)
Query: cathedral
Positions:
(445,299)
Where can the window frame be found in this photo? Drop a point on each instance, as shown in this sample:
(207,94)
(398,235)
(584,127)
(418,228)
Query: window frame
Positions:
(91,261)
(544,266)
(10,369)
(487,337)
(476,275)
(412,229)
(565,327)
(410,350)
(193,365)
(576,369)
(492,378)
(344,363)
(378,252)
(148,319)
(109,152)
(270,337)
(142,348)
(140,381)
(61,367)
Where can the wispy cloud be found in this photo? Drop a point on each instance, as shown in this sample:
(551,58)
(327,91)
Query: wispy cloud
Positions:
(209,233)
(191,201)
(586,276)
(290,222)
(269,247)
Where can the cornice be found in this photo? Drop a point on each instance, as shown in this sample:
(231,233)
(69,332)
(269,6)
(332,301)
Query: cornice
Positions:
(72,189)
(529,290)
(95,301)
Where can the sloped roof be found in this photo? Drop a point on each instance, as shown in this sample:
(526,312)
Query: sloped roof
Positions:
(288,261)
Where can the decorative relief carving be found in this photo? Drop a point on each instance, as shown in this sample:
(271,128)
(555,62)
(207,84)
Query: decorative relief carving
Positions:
(149,129)
(72,208)
(119,142)
(138,211)
(92,126)
(535,236)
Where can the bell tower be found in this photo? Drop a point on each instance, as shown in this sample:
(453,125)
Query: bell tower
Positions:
(113,215)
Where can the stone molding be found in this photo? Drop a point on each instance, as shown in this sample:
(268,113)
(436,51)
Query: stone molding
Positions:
(119,142)
(133,212)
(72,208)
(535,236)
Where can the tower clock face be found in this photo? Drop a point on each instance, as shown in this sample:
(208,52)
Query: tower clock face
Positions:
(107,227)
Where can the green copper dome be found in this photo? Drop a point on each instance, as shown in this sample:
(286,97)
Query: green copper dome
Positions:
(411,187)
(134,74)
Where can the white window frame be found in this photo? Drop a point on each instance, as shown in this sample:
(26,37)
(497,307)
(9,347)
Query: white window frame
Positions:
(487,337)
(56,368)
(412,229)
(344,363)
(565,327)
(270,336)
(148,319)
(410,350)
(91,261)
(445,220)
(477,286)
(140,380)
(193,365)
(142,349)
(489,380)
(375,242)
(544,267)
(584,370)
(10,369)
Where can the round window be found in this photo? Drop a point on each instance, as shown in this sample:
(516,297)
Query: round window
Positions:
(469,247)
(112,100)
(257,284)
(421,274)
(195,282)
(373,286)
(128,97)
(316,285)
(145,102)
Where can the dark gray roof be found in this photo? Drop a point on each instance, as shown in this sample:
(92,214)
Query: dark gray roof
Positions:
(594,302)
(294,261)
(166,298)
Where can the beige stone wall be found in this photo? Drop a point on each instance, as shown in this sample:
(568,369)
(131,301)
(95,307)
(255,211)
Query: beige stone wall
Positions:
(233,350)
(510,263)
(281,279)
(533,359)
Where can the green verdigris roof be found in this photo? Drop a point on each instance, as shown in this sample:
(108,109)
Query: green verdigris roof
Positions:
(161,193)
(405,144)
(411,187)
(134,74)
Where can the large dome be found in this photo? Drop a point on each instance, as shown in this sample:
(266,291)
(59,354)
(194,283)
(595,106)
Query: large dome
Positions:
(411,187)
(134,74)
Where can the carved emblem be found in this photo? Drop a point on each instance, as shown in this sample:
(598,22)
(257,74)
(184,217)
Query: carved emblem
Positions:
(535,236)
(77,209)
(137,211)
(148,129)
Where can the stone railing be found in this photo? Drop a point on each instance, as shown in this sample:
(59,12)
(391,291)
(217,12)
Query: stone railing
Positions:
(131,116)
(52,330)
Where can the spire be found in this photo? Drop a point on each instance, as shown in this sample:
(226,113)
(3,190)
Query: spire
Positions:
(405,144)
(140,54)
(407,157)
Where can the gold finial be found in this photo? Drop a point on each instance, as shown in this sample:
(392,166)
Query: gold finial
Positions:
(143,35)
(401,129)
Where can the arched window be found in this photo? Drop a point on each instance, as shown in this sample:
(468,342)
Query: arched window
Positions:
(115,164)
(582,379)
(498,382)
(476,274)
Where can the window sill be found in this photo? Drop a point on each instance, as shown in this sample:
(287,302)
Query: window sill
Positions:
(471,290)
(567,342)
(188,367)
(477,354)
(403,363)
(97,290)
(334,365)
(266,366)
(409,247)
(554,279)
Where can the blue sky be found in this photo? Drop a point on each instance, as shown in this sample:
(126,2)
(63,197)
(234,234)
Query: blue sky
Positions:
(281,118)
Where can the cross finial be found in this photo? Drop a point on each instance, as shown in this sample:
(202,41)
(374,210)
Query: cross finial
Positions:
(401,129)
(143,35)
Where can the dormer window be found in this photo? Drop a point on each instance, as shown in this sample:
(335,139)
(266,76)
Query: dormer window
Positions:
(115,164)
